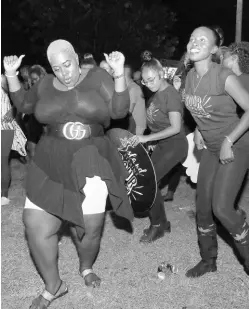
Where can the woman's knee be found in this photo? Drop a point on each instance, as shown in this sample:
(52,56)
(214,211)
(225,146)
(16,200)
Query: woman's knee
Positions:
(94,225)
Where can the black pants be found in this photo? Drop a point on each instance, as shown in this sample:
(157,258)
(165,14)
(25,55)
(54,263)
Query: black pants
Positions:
(174,177)
(217,188)
(7,137)
(166,156)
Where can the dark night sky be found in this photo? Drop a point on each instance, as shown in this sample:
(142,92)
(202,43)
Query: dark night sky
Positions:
(191,13)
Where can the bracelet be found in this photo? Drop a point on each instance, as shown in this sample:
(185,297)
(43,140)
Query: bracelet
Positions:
(118,76)
(17,72)
(229,140)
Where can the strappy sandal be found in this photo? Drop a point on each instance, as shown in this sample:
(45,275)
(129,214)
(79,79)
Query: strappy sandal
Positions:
(94,283)
(49,297)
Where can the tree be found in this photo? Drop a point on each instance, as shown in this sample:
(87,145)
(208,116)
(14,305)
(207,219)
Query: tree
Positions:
(95,26)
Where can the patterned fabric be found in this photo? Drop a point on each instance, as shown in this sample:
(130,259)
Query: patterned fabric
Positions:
(212,109)
(159,106)
(19,137)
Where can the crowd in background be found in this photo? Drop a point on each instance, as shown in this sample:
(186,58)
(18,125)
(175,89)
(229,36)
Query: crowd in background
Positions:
(135,121)
(206,100)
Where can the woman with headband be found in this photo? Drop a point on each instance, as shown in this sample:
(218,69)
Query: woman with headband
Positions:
(210,95)
(75,166)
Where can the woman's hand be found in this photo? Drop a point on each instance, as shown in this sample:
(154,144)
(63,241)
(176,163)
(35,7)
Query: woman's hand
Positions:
(198,140)
(11,64)
(226,152)
(136,139)
(116,61)
(186,60)
(177,82)
(151,147)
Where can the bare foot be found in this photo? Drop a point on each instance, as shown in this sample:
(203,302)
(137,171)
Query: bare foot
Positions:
(92,280)
(39,303)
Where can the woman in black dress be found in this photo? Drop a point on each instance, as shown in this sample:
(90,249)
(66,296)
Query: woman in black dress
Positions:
(75,166)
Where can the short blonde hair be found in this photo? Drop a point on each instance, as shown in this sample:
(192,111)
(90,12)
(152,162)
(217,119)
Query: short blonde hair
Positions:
(58,46)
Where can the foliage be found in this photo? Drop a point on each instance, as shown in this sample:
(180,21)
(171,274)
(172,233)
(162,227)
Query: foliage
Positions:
(96,26)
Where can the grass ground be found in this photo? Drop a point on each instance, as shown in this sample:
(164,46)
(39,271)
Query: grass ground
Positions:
(128,269)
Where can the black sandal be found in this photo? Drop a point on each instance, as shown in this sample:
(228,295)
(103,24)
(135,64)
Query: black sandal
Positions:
(49,297)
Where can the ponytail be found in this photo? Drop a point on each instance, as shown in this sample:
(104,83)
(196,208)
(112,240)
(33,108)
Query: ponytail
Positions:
(219,35)
(150,62)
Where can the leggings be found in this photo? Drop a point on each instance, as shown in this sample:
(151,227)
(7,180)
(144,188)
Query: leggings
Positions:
(217,188)
(174,177)
(7,137)
(165,157)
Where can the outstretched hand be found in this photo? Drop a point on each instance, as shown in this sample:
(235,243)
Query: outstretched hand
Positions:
(136,139)
(177,82)
(116,61)
(12,63)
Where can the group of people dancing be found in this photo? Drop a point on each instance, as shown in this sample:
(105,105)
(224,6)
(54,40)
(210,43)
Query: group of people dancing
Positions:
(76,167)
(20,132)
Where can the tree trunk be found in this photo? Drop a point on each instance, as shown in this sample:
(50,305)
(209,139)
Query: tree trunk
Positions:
(239,15)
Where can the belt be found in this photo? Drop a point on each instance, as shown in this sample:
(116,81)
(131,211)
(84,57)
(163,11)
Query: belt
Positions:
(75,130)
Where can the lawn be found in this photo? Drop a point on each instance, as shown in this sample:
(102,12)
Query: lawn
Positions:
(128,269)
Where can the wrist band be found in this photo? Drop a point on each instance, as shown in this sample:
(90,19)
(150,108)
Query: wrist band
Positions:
(11,75)
(229,140)
(118,76)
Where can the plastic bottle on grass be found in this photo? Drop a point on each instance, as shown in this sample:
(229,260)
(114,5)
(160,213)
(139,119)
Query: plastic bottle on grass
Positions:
(166,268)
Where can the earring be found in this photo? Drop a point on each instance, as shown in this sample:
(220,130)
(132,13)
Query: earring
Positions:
(80,71)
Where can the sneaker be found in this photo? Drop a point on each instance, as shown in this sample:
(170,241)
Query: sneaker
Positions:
(169,197)
(165,225)
(154,233)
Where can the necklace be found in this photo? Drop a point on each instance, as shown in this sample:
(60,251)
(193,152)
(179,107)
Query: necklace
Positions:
(195,88)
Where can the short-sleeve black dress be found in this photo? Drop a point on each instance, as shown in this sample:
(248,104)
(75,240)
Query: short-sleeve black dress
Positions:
(58,172)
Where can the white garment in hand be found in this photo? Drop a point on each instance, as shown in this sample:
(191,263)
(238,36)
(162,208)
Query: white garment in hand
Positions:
(192,161)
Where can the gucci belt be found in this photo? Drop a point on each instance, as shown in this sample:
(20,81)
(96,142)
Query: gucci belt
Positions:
(70,130)
(76,130)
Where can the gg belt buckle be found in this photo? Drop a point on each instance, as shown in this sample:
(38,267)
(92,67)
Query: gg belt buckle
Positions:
(75,130)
